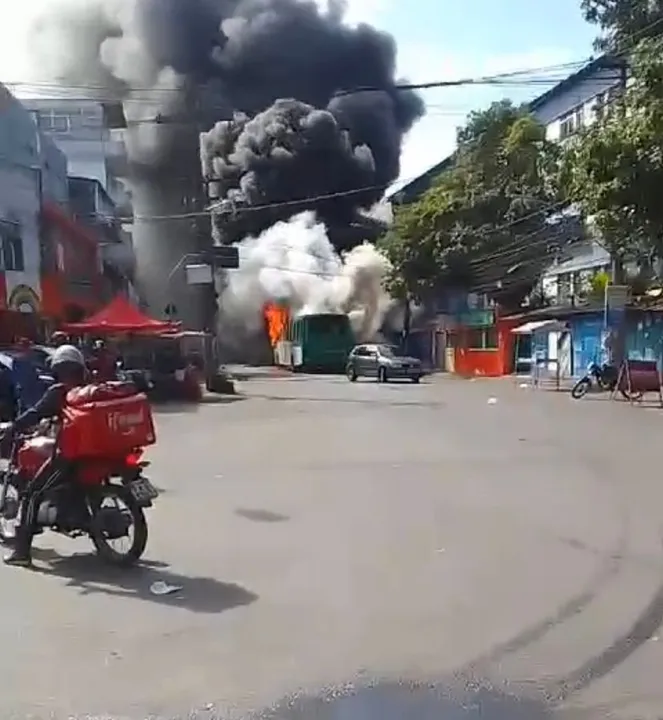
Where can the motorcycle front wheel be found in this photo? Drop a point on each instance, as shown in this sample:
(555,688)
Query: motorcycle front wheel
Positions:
(10,501)
(121,519)
(581,388)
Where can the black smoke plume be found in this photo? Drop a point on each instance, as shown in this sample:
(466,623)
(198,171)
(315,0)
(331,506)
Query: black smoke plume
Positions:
(259,78)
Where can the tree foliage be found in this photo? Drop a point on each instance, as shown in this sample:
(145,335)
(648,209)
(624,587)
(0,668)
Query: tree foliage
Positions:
(483,217)
(624,22)
(614,169)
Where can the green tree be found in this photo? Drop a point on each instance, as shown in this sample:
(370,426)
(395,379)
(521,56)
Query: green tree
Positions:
(484,216)
(614,169)
(624,22)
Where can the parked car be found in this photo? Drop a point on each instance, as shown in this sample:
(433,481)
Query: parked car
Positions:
(382,362)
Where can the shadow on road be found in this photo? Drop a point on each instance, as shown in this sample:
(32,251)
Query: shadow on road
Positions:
(197,594)
(257,515)
(395,701)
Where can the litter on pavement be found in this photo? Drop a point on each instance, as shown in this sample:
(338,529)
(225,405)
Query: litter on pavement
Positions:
(162,588)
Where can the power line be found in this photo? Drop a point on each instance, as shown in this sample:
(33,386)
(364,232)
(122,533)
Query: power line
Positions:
(239,210)
(153,93)
(516,247)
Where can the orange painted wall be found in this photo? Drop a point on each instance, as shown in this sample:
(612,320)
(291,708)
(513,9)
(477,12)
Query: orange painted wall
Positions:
(471,362)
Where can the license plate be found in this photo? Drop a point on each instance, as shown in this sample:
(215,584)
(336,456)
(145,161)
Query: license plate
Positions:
(143,490)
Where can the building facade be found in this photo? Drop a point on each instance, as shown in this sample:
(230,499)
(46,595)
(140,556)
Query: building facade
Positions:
(33,172)
(79,129)
(92,207)
(41,246)
(95,153)
(581,98)
(565,109)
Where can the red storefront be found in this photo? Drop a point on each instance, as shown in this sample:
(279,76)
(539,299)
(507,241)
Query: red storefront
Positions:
(71,281)
(482,344)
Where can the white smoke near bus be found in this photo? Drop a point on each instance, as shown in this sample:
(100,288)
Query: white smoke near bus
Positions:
(294,263)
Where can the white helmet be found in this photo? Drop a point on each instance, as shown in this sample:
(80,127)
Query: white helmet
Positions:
(67,354)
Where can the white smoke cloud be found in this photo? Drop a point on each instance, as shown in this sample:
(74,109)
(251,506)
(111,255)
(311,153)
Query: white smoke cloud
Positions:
(294,263)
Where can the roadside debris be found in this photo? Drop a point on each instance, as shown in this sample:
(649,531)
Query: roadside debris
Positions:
(162,588)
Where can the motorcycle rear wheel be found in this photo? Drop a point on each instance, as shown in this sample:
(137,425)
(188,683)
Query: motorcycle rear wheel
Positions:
(581,388)
(100,539)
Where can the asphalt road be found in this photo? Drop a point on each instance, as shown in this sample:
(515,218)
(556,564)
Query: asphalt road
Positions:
(347,542)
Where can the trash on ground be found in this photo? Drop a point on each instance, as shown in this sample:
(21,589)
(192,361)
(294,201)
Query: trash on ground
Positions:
(492,401)
(162,588)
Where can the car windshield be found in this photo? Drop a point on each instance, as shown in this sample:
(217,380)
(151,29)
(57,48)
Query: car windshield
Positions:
(390,351)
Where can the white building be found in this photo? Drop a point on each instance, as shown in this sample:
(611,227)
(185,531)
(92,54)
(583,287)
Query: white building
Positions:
(579,99)
(571,105)
(79,129)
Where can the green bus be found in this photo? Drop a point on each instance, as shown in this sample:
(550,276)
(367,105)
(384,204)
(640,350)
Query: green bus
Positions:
(317,343)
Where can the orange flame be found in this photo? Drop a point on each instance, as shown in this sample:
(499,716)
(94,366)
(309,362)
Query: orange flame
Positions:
(276,319)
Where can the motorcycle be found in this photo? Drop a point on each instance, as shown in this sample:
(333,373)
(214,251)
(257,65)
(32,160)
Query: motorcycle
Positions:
(76,507)
(600,378)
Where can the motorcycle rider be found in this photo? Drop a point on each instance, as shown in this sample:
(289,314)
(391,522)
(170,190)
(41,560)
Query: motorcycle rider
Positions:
(58,338)
(68,366)
(103,362)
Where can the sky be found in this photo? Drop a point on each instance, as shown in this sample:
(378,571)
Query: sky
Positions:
(441,40)
(448,39)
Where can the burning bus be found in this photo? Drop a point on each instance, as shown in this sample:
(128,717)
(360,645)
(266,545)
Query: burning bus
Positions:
(319,342)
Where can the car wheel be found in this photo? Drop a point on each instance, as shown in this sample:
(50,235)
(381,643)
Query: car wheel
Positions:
(416,379)
(351,373)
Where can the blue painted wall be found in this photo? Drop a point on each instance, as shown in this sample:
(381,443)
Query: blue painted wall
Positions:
(586,332)
(644,337)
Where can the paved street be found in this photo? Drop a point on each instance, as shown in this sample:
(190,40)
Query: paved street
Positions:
(326,534)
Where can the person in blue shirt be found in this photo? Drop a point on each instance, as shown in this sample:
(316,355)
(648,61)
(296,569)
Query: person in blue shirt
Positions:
(68,365)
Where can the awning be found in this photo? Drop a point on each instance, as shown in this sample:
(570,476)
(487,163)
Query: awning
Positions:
(120,317)
(540,326)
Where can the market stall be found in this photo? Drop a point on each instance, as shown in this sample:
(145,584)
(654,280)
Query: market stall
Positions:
(120,317)
(548,350)
(145,346)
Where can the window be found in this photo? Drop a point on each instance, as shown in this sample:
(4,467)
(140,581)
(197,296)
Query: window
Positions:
(571,122)
(332,324)
(390,351)
(12,247)
(51,121)
(482,339)
(579,117)
(566,127)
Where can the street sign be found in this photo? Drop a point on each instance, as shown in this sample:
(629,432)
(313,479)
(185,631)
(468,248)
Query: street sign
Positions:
(616,296)
(477,318)
(199,274)
(225,257)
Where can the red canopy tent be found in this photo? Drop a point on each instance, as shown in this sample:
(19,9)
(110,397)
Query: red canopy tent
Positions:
(120,316)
